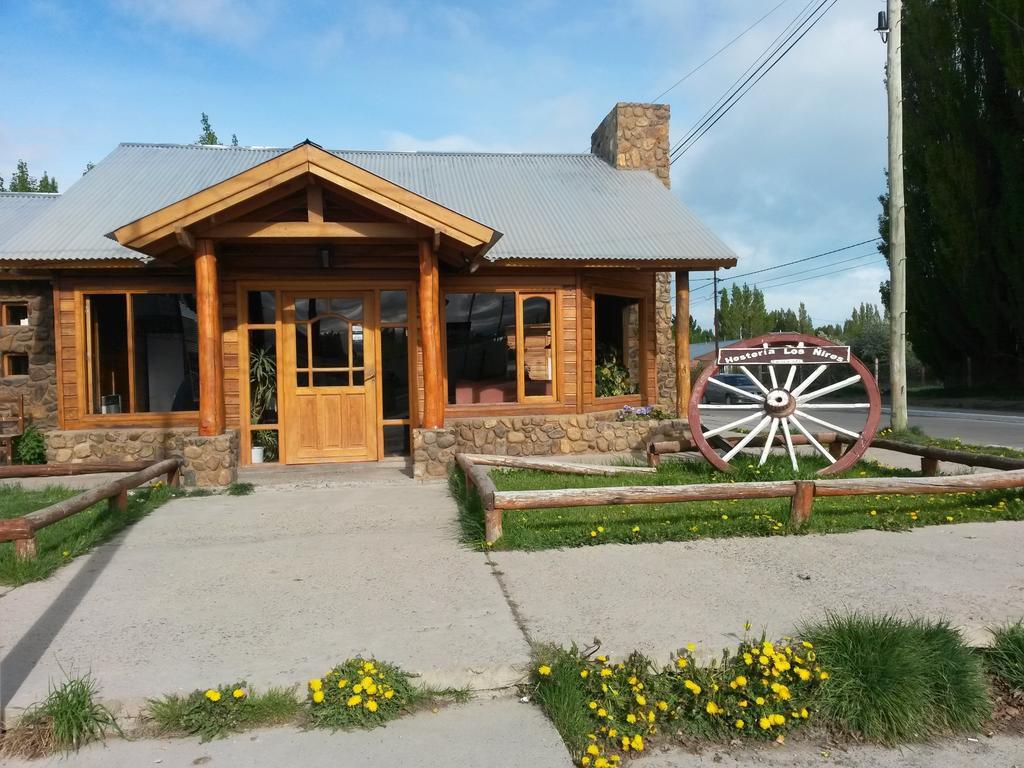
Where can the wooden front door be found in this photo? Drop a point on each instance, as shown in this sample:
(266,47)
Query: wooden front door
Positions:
(330,395)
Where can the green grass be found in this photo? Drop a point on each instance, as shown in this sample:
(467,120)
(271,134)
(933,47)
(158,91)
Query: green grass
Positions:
(915,436)
(196,715)
(563,697)
(240,489)
(895,680)
(629,524)
(76,535)
(67,719)
(1006,655)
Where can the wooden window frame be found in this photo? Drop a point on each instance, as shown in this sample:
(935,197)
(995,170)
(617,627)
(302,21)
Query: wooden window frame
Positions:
(87,417)
(618,401)
(6,368)
(5,310)
(520,294)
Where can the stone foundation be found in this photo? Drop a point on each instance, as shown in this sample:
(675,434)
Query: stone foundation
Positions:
(434,449)
(209,461)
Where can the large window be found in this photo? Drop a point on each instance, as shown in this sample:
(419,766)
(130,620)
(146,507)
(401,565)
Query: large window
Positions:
(617,345)
(394,363)
(501,347)
(142,352)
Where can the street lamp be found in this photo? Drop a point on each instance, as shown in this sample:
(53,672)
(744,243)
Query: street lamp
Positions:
(883,26)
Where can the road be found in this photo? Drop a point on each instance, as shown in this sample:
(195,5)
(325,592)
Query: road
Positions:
(972,426)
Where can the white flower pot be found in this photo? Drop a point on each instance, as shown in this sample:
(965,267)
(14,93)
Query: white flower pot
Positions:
(257,454)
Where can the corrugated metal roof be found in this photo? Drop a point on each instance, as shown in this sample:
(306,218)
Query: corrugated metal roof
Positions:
(548,206)
(18,209)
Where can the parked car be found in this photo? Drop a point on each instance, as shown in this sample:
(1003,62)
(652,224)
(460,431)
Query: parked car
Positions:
(715,394)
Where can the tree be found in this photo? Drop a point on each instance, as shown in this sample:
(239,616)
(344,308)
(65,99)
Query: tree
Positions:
(742,313)
(22,181)
(208,136)
(698,334)
(963,121)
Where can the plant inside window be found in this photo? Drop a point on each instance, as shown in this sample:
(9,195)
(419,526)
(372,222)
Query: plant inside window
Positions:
(263,398)
(613,379)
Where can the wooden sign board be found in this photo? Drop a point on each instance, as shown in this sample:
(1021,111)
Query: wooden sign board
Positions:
(784,355)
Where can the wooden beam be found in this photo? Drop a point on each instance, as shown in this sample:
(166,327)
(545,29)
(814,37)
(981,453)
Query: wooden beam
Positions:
(801,505)
(185,239)
(211,365)
(315,204)
(682,342)
(430,338)
(322,230)
(561,467)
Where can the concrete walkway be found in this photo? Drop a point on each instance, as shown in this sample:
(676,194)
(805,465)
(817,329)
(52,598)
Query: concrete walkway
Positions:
(273,588)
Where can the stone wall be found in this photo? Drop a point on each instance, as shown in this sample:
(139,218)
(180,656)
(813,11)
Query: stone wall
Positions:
(434,449)
(39,386)
(636,137)
(208,460)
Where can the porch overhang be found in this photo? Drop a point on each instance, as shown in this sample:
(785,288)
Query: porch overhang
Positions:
(218,212)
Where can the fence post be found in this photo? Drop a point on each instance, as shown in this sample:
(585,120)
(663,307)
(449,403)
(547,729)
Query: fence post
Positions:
(836,449)
(174,476)
(929,467)
(25,549)
(118,502)
(803,500)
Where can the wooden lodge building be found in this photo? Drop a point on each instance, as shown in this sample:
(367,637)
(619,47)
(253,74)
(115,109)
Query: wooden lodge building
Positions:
(329,306)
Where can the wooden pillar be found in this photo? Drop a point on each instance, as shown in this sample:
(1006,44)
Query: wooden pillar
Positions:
(682,342)
(430,338)
(211,364)
(802,503)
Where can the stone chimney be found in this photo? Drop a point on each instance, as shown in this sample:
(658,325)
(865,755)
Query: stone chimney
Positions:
(635,136)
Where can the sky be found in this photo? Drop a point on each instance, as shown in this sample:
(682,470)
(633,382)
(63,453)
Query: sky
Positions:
(794,170)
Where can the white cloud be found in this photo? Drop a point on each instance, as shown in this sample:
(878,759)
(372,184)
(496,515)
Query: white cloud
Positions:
(231,21)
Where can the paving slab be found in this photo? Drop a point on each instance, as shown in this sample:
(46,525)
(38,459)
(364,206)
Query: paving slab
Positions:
(658,597)
(272,588)
(997,752)
(500,733)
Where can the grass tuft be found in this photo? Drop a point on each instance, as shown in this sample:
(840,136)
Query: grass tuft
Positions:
(897,680)
(240,489)
(1006,656)
(67,719)
(562,697)
(210,716)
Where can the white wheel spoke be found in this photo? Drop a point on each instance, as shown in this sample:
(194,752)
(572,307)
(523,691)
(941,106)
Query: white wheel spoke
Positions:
(843,406)
(731,425)
(736,390)
(749,436)
(790,377)
(771,375)
(809,380)
(829,389)
(789,444)
(827,424)
(739,407)
(812,440)
(753,378)
(768,442)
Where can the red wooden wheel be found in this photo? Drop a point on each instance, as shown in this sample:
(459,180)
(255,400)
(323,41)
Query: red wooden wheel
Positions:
(774,389)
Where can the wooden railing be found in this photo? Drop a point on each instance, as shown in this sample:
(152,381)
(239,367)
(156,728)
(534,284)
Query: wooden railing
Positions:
(22,530)
(801,492)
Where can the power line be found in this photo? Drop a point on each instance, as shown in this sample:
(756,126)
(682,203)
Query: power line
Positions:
(769,282)
(802,279)
(715,55)
(808,24)
(733,278)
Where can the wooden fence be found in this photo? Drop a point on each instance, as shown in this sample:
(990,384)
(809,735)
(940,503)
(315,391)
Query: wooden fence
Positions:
(801,492)
(22,530)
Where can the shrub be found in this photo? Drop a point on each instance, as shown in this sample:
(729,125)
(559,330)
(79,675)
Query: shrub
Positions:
(1006,656)
(363,693)
(67,719)
(216,712)
(241,489)
(895,679)
(30,447)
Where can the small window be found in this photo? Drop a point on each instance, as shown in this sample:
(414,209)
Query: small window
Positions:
(15,364)
(617,343)
(15,313)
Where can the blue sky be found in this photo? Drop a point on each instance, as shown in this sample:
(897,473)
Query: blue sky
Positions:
(793,170)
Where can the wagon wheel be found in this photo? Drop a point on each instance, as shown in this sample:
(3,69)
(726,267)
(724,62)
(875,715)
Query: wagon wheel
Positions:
(781,403)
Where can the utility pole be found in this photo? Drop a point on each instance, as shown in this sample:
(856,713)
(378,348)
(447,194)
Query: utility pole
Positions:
(715,273)
(897,219)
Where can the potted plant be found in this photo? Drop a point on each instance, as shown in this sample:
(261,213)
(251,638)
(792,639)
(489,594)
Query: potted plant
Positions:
(262,400)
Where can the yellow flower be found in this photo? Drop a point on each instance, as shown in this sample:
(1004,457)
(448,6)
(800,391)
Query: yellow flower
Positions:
(602,658)
(354,700)
(366,682)
(625,743)
(600,529)
(741,680)
(803,713)
(691,647)
(692,687)
(584,760)
(636,529)
(744,703)
(342,683)
(630,718)
(765,723)
(803,674)
(388,693)
(759,701)
(740,723)
(641,700)
(593,534)
(544,670)
(602,712)
(823,675)
(318,697)
(725,517)
(606,672)
(762,659)
(712,708)
(371,689)
(238,693)
(584,674)
(748,659)
(682,663)
(778,719)
(213,695)
(357,688)
(663,705)
(637,743)
(593,705)
(873,513)
(601,763)
(371,705)
(949,519)
(612,733)
(593,749)
(316,684)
